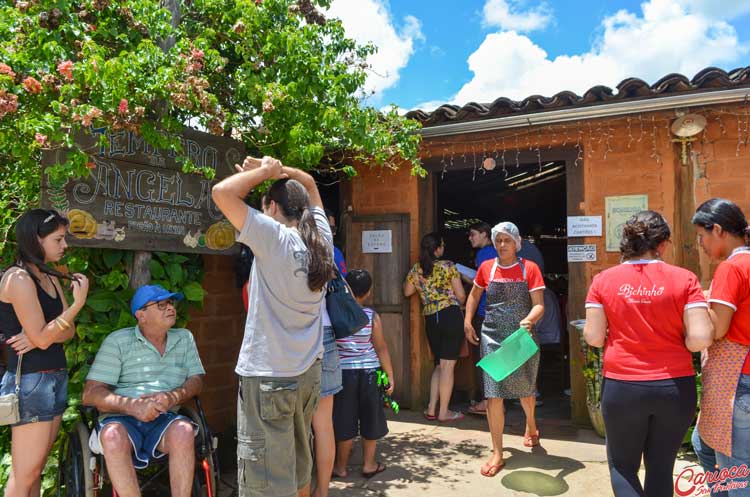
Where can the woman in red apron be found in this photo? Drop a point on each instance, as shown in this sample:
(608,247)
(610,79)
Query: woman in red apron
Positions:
(724,422)
(514,288)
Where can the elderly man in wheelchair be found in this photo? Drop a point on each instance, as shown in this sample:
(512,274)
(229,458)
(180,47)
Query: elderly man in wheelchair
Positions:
(138,378)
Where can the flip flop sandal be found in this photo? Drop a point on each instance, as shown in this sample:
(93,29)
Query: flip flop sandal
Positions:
(370,474)
(456,416)
(429,417)
(474,410)
(531,440)
(492,470)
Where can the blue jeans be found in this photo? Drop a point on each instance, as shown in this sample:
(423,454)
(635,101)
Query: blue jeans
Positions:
(740,437)
(707,457)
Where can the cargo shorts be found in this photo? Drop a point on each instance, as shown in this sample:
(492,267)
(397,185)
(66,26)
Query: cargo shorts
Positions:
(274,434)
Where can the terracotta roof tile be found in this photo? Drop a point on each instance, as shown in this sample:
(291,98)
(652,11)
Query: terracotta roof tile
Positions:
(711,78)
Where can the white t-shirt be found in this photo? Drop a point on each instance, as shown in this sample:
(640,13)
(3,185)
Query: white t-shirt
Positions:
(284,327)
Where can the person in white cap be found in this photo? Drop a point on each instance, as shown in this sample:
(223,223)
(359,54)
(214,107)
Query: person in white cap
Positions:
(515,298)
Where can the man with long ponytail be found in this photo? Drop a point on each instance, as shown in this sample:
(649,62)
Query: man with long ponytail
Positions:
(279,361)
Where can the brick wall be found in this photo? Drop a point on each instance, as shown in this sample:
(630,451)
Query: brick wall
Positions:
(620,156)
(218,330)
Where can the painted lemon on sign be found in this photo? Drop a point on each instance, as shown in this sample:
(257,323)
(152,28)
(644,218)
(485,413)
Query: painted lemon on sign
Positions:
(220,236)
(82,224)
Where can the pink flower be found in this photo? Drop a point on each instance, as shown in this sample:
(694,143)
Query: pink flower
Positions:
(41,139)
(5,69)
(66,70)
(92,114)
(8,103)
(123,107)
(197,54)
(32,85)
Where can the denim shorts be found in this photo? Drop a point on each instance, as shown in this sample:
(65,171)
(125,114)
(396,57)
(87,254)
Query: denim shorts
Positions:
(43,395)
(330,376)
(144,437)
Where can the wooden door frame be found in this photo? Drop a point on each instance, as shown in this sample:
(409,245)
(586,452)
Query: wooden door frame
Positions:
(404,308)
(577,280)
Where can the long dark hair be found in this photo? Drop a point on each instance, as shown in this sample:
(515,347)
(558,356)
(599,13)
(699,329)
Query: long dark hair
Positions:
(292,198)
(726,214)
(427,247)
(30,227)
(643,233)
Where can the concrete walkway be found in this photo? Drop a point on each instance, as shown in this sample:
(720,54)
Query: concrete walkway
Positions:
(439,460)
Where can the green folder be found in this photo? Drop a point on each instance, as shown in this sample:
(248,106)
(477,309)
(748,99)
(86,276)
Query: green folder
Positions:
(514,351)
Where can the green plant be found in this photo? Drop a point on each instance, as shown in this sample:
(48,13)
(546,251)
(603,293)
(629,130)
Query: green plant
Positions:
(108,309)
(273,73)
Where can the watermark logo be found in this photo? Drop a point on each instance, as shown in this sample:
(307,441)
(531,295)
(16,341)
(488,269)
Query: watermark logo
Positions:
(695,483)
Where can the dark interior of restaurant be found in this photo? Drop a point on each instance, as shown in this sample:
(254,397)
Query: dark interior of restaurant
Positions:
(532,196)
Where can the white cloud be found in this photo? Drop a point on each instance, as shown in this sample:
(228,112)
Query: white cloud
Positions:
(718,9)
(369,21)
(508,15)
(667,36)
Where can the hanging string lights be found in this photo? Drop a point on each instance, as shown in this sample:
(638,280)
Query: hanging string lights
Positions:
(592,139)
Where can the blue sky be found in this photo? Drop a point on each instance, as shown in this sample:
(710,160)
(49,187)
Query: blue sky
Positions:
(441,51)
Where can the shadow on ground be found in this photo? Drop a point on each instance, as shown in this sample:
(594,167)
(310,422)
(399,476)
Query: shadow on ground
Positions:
(416,460)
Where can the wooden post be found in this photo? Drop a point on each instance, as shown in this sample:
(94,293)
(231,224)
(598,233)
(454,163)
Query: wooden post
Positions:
(139,271)
(686,251)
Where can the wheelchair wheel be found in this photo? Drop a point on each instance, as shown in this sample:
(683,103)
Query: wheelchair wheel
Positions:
(75,476)
(204,446)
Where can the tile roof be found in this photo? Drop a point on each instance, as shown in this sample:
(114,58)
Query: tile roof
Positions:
(711,78)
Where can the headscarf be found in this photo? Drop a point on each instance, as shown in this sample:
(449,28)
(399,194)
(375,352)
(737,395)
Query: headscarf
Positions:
(509,229)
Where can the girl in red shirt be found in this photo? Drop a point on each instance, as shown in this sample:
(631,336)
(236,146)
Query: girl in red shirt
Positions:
(649,316)
(724,423)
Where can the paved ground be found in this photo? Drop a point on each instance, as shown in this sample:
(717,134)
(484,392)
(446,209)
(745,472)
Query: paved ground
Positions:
(428,458)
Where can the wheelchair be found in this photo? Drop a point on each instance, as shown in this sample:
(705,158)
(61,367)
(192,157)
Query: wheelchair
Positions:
(82,473)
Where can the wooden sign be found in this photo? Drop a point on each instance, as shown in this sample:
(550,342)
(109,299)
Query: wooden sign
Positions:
(137,197)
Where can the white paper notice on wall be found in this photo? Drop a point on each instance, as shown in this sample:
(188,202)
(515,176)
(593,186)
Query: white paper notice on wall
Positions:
(584,226)
(582,253)
(377,242)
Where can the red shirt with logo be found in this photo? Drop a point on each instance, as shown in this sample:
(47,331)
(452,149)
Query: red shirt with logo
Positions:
(510,274)
(731,287)
(644,302)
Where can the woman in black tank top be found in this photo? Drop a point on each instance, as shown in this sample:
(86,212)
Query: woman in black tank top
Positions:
(35,320)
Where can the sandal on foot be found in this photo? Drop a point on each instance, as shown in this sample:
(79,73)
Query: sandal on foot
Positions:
(531,440)
(370,474)
(429,417)
(453,417)
(473,409)
(492,470)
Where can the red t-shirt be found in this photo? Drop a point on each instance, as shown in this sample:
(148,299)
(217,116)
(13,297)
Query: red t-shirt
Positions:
(644,302)
(510,274)
(731,287)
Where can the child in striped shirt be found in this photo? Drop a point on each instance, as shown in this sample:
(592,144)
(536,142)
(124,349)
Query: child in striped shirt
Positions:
(358,408)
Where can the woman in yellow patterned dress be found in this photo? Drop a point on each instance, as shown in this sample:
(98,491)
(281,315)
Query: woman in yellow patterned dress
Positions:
(439,287)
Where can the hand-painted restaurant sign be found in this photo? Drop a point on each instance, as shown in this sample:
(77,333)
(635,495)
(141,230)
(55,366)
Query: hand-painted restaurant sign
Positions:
(137,197)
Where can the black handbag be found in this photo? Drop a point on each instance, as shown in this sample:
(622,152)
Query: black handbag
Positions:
(347,316)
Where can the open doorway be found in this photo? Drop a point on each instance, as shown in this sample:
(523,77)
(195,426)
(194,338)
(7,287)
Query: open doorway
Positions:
(534,197)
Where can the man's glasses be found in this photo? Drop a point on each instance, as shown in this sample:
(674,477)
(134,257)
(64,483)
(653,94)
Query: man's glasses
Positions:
(161,305)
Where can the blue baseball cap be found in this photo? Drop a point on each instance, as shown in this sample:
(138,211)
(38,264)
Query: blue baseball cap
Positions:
(151,293)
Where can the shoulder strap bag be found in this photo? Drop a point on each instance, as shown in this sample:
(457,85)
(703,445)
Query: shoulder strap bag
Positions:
(10,412)
(347,316)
